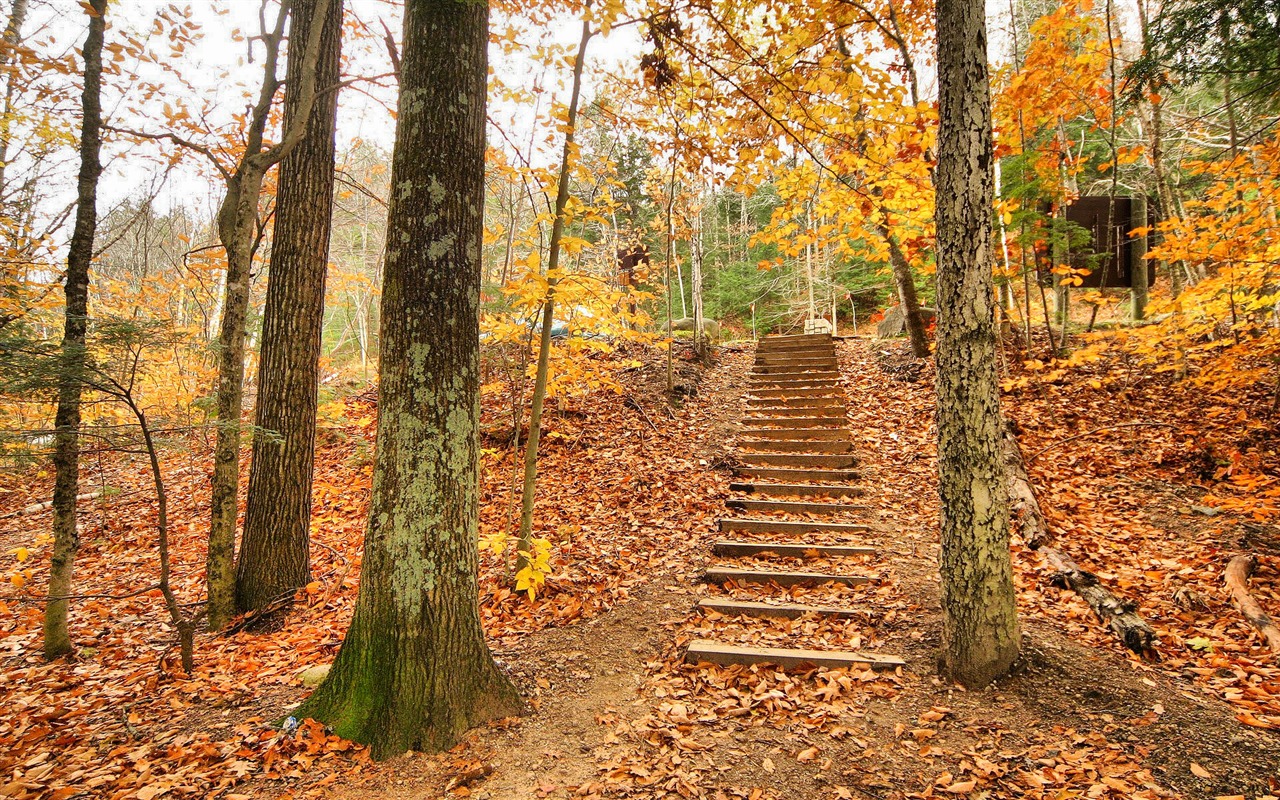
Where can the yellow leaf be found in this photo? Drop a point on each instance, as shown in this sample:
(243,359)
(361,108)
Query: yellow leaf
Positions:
(23,554)
(17,580)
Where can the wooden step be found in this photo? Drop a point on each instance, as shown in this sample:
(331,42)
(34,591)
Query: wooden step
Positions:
(781,577)
(796,490)
(779,374)
(819,423)
(776,366)
(819,460)
(793,506)
(828,401)
(795,391)
(790,338)
(782,474)
(802,344)
(829,405)
(738,548)
(787,356)
(750,608)
(749,525)
(783,446)
(780,356)
(825,434)
(767,382)
(820,412)
(706,651)
(783,344)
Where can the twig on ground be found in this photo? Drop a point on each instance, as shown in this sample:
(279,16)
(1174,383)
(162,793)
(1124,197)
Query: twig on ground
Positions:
(633,403)
(1046,448)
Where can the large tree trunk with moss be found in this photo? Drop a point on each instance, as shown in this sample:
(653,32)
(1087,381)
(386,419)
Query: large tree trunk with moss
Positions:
(66,454)
(274,548)
(980,635)
(414,671)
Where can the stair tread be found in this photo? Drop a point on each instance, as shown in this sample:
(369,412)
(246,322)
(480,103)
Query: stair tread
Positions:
(706,650)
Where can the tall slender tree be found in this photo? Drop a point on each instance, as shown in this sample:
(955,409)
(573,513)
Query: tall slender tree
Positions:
(66,454)
(275,555)
(414,671)
(980,635)
(238,228)
(530,487)
(8,59)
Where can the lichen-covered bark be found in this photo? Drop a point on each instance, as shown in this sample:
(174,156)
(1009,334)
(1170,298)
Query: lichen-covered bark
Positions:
(414,671)
(236,228)
(980,625)
(66,454)
(274,550)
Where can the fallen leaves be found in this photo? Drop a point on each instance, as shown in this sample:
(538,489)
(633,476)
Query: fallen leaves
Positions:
(123,721)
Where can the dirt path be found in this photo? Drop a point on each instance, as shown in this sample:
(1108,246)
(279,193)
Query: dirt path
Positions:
(617,714)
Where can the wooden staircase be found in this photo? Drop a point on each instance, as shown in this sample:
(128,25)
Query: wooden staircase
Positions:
(796,467)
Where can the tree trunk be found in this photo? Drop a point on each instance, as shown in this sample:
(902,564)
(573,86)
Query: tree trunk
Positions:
(980,634)
(238,231)
(1138,289)
(66,454)
(695,270)
(12,36)
(274,555)
(414,671)
(906,284)
(524,546)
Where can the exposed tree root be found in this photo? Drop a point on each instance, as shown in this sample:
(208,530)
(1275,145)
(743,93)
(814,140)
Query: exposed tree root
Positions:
(1239,570)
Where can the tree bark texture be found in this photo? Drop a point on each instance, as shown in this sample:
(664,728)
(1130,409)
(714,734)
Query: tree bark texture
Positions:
(274,552)
(238,230)
(414,671)
(980,634)
(1120,616)
(236,224)
(1139,267)
(906,284)
(66,454)
(12,37)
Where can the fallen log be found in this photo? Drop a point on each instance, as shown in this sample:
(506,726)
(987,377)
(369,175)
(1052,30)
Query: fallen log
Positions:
(1120,616)
(1024,509)
(1239,570)
(36,508)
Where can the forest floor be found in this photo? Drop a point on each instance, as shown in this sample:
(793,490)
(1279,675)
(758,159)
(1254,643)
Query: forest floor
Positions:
(629,495)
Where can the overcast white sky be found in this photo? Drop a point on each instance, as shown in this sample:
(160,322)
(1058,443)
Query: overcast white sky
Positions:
(219,69)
